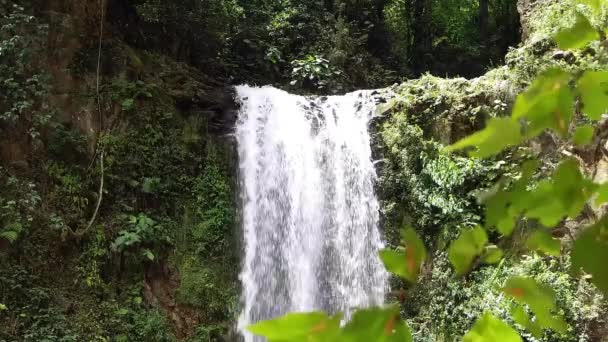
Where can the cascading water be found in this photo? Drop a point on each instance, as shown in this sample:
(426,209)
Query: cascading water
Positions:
(310,215)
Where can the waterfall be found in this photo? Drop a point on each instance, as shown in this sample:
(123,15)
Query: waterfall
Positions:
(310,215)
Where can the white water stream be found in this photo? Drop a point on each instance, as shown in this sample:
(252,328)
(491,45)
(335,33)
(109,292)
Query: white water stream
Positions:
(310,215)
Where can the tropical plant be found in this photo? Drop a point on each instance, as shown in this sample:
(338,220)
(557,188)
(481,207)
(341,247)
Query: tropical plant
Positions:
(142,232)
(19,201)
(23,84)
(312,72)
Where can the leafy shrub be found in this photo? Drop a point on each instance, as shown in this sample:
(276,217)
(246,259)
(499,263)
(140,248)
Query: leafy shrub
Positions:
(151,325)
(215,213)
(206,288)
(23,83)
(434,188)
(19,201)
(210,333)
(29,312)
(312,72)
(443,307)
(143,234)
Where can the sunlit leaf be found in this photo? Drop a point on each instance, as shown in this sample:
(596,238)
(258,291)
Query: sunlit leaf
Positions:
(9,235)
(547,103)
(313,326)
(593,88)
(394,261)
(590,254)
(466,248)
(541,240)
(539,298)
(499,134)
(602,194)
(583,135)
(491,329)
(376,324)
(405,262)
(521,317)
(562,196)
(492,255)
(577,36)
(504,203)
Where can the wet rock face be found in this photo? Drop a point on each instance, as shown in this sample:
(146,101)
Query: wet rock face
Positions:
(222,110)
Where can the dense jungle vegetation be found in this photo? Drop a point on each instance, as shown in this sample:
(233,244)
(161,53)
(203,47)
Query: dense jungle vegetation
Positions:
(118,206)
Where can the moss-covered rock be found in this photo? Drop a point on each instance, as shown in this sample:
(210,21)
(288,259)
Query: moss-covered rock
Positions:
(434,191)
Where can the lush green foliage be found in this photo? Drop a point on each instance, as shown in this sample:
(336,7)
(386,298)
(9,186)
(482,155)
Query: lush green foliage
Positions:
(157,169)
(548,104)
(364,43)
(377,324)
(19,201)
(168,199)
(422,32)
(22,106)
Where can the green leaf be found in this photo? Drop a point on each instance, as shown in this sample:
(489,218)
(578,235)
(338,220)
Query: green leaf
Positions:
(9,235)
(469,245)
(541,240)
(491,329)
(150,185)
(405,262)
(499,134)
(128,104)
(492,255)
(504,203)
(376,324)
(583,135)
(313,326)
(602,194)
(521,317)
(11,232)
(562,196)
(577,36)
(148,254)
(547,103)
(593,89)
(539,298)
(3,307)
(590,254)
